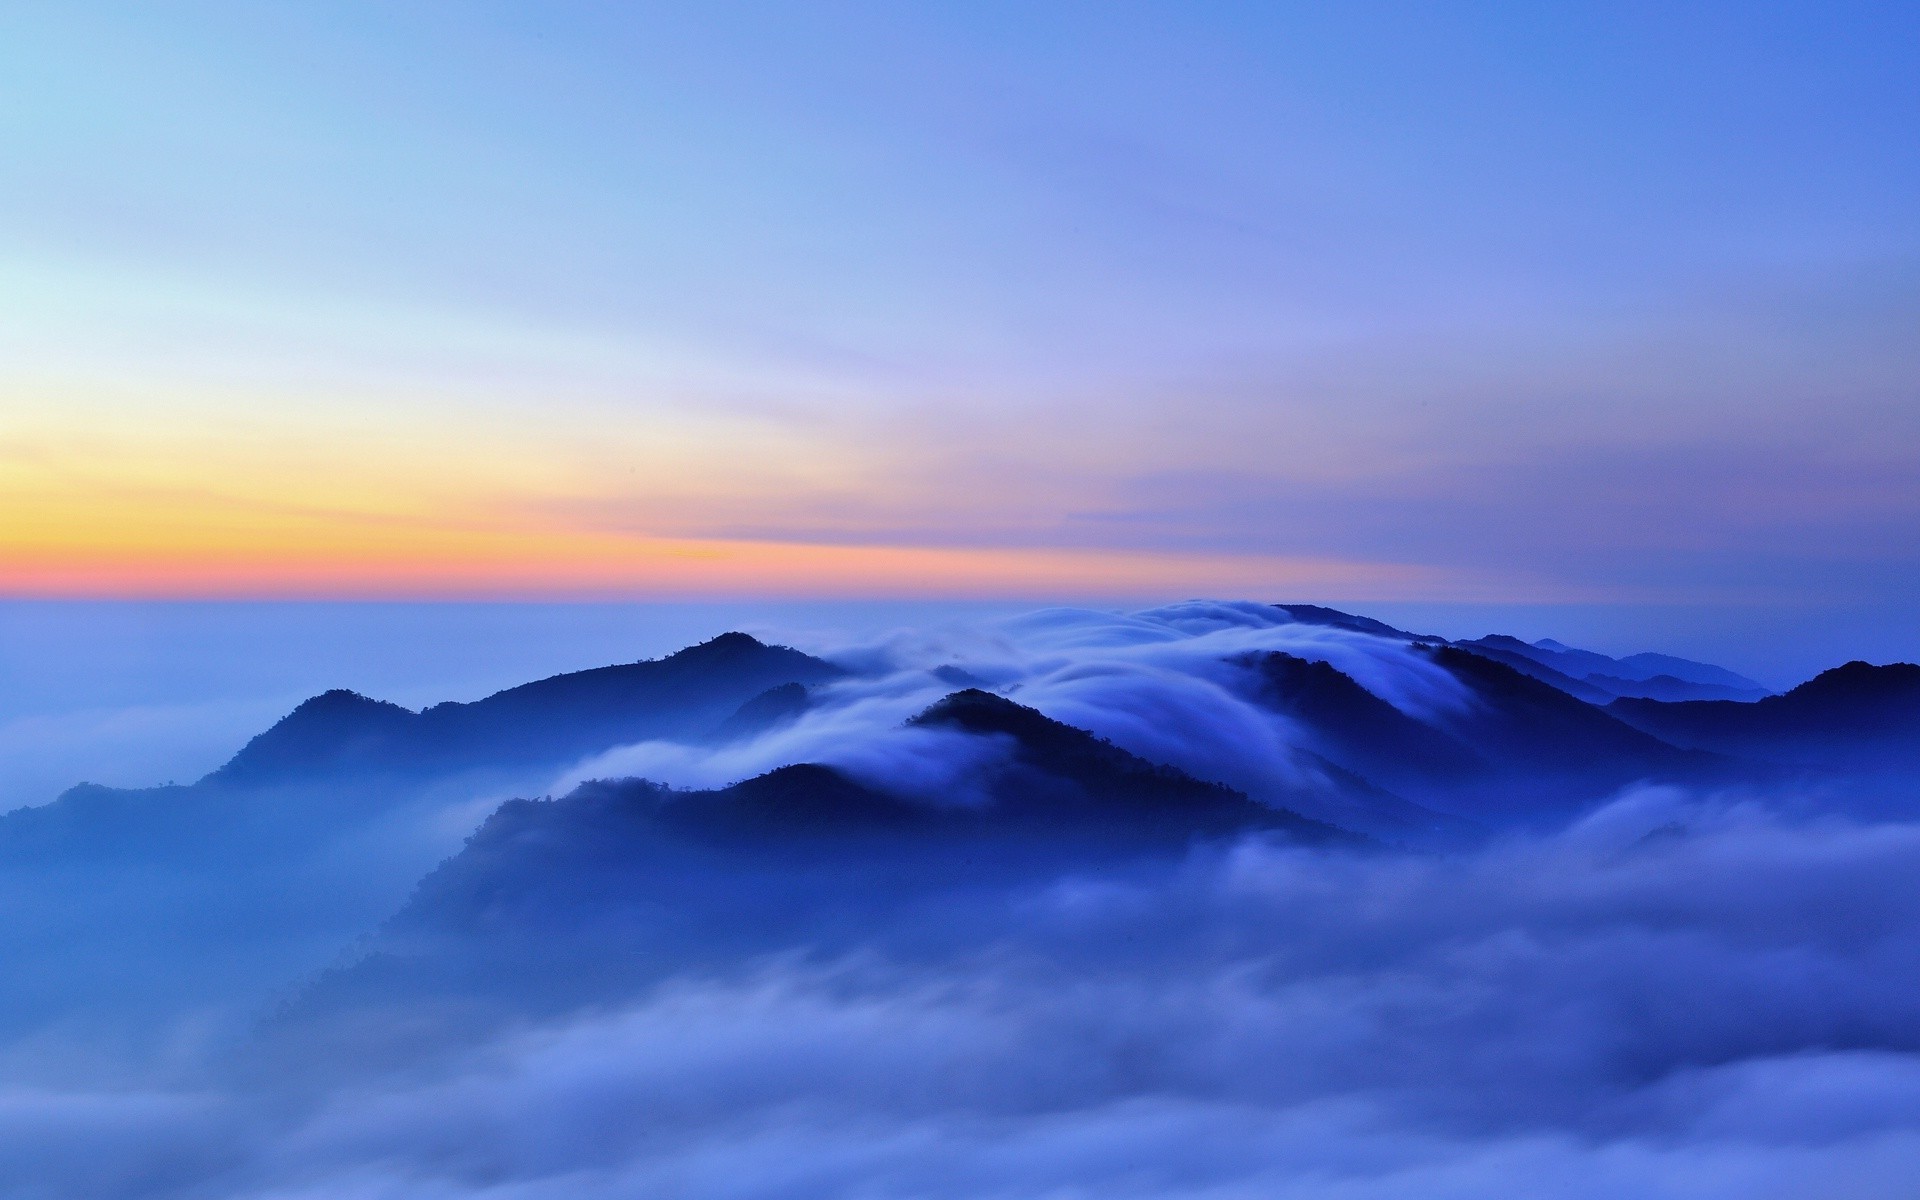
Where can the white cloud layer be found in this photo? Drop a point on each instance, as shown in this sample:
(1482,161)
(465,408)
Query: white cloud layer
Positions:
(1157,683)
(1679,997)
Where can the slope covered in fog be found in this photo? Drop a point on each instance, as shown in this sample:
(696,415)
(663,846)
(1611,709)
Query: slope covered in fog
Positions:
(317,828)
(1217,899)
(581,899)
(211,894)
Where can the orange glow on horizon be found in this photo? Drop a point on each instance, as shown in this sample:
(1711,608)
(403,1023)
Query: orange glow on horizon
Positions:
(157,543)
(70,534)
(277,529)
(572,564)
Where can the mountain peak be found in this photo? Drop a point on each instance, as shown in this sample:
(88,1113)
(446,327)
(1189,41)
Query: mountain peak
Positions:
(1315,614)
(323,731)
(726,644)
(1599,678)
(339,700)
(1862,680)
(1853,715)
(979,711)
(549,721)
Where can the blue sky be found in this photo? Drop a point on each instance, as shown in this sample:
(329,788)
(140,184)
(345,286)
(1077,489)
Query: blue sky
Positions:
(1583,308)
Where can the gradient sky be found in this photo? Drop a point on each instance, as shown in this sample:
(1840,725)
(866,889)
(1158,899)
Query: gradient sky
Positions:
(1611,307)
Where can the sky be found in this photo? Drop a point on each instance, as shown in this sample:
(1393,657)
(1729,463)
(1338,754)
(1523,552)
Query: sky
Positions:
(1594,319)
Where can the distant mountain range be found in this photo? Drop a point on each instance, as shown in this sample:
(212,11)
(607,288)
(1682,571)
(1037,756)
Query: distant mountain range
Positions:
(1585,674)
(1519,745)
(552,895)
(1853,716)
(1549,728)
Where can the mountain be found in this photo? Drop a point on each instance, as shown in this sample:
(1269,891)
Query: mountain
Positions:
(1519,748)
(554,903)
(1052,781)
(1527,725)
(1333,618)
(1349,725)
(778,705)
(1371,754)
(317,829)
(551,721)
(1853,716)
(1652,666)
(1061,777)
(1500,649)
(1585,674)
(1599,679)
(807,835)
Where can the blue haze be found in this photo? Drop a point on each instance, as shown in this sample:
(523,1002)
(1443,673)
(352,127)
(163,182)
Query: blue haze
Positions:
(264,987)
(134,694)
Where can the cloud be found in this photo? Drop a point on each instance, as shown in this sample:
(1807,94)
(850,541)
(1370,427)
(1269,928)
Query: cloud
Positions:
(1677,995)
(1159,683)
(42,755)
(1681,996)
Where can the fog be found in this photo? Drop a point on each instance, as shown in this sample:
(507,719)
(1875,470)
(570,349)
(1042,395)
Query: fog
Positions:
(138,693)
(1676,992)
(1160,683)
(1680,996)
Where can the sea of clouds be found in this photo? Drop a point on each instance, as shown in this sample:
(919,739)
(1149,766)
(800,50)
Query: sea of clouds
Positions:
(1677,995)
(1162,683)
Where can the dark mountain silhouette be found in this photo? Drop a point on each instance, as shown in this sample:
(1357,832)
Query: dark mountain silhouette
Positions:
(957,677)
(1058,795)
(1671,687)
(1649,666)
(1314,614)
(644,861)
(1055,781)
(1533,726)
(1857,715)
(1358,742)
(1520,748)
(1351,726)
(317,829)
(556,903)
(1061,775)
(1599,679)
(1590,676)
(334,731)
(319,825)
(769,710)
(1345,798)
(341,757)
(1500,649)
(552,720)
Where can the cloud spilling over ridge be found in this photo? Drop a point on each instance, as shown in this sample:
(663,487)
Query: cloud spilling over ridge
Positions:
(1159,683)
(1674,998)
(1679,994)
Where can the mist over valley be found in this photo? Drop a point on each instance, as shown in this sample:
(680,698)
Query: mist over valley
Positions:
(1218,898)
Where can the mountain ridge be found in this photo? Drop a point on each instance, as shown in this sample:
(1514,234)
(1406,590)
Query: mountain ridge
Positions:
(1853,714)
(556,719)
